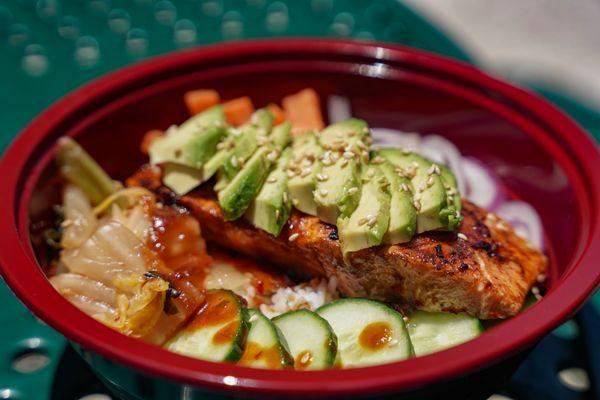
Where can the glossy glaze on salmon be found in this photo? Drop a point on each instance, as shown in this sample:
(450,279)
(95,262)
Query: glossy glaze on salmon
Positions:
(483,268)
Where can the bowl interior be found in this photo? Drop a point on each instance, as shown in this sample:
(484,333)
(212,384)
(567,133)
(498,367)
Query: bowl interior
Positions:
(404,100)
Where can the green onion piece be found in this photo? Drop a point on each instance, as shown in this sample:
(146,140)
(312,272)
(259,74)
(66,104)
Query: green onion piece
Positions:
(79,168)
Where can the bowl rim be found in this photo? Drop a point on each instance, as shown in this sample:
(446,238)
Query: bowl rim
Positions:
(23,275)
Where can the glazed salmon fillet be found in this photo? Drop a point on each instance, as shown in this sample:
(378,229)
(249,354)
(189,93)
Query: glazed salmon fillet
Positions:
(482,269)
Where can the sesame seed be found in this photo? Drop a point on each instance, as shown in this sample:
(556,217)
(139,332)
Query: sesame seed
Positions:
(370,216)
(430,181)
(422,187)
(221,145)
(348,155)
(306,162)
(535,290)
(241,162)
(370,173)
(378,160)
(541,278)
(291,173)
(322,177)
(351,134)
(404,187)
(272,179)
(352,190)
(295,202)
(305,172)
(362,221)
(365,130)
(323,192)
(415,165)
(393,343)
(339,135)
(236,132)
(436,169)
(344,162)
(272,156)
(253,318)
(234,161)
(372,221)
(305,358)
(285,197)
(277,214)
(417,205)
(382,180)
(406,150)
(293,237)
(462,236)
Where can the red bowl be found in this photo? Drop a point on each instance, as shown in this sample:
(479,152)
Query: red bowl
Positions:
(539,153)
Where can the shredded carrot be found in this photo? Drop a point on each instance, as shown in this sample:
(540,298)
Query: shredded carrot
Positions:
(238,111)
(201,99)
(278,115)
(148,138)
(303,110)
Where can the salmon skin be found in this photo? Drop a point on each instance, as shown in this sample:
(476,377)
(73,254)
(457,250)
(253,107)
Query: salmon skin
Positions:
(482,269)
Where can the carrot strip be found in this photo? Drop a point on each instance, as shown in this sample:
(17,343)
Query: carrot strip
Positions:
(278,114)
(148,138)
(303,110)
(238,111)
(201,99)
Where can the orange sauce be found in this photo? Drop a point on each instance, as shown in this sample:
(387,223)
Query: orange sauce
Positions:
(218,308)
(303,360)
(375,336)
(177,241)
(254,352)
(227,333)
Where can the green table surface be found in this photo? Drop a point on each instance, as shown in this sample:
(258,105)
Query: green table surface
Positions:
(49,47)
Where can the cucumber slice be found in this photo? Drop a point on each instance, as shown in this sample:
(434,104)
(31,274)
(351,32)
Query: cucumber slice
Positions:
(368,332)
(311,341)
(436,331)
(265,347)
(217,332)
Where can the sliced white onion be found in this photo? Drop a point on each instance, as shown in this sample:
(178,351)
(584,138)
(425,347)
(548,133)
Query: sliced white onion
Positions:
(482,185)
(441,150)
(338,109)
(524,219)
(384,137)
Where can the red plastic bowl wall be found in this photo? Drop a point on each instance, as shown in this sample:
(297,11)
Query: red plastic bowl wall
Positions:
(541,156)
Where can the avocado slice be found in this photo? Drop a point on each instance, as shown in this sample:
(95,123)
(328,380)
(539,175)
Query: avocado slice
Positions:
(235,195)
(403,215)
(370,221)
(271,207)
(337,191)
(249,137)
(453,197)
(193,142)
(181,179)
(302,172)
(429,196)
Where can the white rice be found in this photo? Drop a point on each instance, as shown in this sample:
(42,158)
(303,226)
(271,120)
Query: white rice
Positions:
(310,295)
